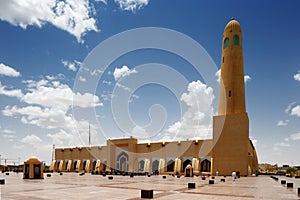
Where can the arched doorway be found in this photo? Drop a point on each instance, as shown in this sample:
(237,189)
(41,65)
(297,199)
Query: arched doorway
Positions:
(205,165)
(155,164)
(122,162)
(170,166)
(186,163)
(141,165)
(104,166)
(57,165)
(94,165)
(75,164)
(37,171)
(84,165)
(66,167)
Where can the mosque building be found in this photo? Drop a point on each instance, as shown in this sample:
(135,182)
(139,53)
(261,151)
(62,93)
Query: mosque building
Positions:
(229,150)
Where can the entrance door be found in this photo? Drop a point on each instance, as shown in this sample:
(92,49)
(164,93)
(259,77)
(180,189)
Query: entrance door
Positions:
(205,166)
(155,164)
(26,176)
(122,162)
(37,171)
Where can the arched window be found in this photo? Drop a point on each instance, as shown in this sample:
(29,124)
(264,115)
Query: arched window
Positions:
(141,165)
(226,43)
(170,166)
(186,163)
(122,162)
(236,40)
(155,164)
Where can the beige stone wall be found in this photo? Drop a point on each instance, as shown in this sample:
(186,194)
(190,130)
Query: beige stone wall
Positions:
(159,150)
(231,138)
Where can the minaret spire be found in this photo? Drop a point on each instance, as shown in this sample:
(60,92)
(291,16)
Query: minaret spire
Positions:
(232,148)
(232,89)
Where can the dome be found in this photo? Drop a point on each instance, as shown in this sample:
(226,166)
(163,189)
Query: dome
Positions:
(233,24)
(33,158)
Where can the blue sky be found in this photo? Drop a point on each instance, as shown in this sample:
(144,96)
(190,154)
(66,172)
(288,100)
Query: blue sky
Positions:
(44,44)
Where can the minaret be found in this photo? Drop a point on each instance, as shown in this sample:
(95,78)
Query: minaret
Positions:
(231,125)
(232,89)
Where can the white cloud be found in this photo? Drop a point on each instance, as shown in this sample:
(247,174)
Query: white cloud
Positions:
(8,134)
(49,105)
(72,66)
(106,96)
(197,120)
(296,111)
(282,122)
(8,131)
(96,72)
(123,87)
(102,1)
(247,78)
(295,136)
(297,76)
(283,144)
(289,108)
(7,70)
(254,142)
(107,82)
(133,98)
(57,77)
(132,5)
(57,95)
(82,79)
(123,72)
(11,93)
(139,132)
(218,75)
(31,139)
(68,15)
(61,137)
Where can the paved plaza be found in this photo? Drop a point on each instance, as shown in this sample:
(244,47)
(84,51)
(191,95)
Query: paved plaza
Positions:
(74,186)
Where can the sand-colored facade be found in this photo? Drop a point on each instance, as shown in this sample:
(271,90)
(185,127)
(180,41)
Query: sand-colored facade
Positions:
(229,150)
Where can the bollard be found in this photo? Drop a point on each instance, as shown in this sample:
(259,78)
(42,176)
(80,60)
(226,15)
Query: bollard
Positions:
(283,182)
(222,179)
(110,178)
(2,181)
(211,181)
(289,185)
(147,194)
(191,185)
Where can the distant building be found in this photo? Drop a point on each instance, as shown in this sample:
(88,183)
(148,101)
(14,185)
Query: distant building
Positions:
(229,150)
